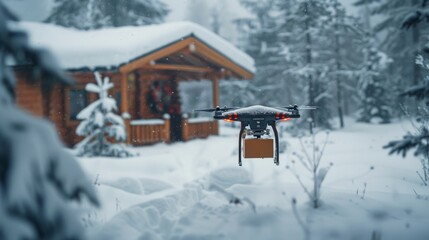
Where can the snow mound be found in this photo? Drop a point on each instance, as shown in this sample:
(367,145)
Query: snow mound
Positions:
(228,176)
(153,219)
(139,186)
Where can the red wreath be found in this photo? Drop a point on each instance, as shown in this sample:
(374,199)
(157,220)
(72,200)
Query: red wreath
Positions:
(154,98)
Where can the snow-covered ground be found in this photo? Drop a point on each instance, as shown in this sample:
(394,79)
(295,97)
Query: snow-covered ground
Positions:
(167,192)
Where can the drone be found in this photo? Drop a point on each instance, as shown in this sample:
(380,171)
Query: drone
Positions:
(255,121)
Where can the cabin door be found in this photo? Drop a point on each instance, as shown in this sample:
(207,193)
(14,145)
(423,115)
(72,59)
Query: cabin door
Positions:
(173,109)
(163,98)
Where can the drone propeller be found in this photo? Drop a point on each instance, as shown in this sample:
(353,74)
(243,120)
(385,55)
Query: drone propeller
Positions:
(224,109)
(307,107)
(296,107)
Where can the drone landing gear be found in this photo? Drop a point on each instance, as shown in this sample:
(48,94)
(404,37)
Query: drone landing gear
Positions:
(243,127)
(276,137)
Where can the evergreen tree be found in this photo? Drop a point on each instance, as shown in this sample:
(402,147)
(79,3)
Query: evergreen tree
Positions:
(215,22)
(396,43)
(99,121)
(232,92)
(420,91)
(308,43)
(95,14)
(285,81)
(198,12)
(262,43)
(40,181)
(373,93)
(419,139)
(344,32)
(299,45)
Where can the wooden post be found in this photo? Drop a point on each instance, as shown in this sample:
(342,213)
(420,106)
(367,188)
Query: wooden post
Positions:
(124,105)
(124,93)
(215,80)
(166,128)
(185,127)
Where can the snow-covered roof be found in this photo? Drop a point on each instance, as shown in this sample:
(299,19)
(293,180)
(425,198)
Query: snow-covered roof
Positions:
(114,47)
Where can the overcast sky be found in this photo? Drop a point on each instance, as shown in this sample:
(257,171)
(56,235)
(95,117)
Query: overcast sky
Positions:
(38,10)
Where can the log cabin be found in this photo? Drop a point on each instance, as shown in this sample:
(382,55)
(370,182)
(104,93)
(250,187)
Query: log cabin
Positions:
(146,65)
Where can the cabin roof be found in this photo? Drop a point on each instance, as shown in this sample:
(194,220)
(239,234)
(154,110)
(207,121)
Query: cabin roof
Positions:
(115,47)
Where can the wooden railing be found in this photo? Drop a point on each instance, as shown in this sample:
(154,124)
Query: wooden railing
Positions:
(149,131)
(198,127)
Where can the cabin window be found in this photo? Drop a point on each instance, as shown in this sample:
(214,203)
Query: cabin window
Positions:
(78,101)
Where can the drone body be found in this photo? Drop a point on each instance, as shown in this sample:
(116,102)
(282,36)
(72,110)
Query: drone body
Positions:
(255,121)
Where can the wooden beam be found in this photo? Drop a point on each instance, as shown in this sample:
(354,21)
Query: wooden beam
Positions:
(164,52)
(175,67)
(201,51)
(194,59)
(220,60)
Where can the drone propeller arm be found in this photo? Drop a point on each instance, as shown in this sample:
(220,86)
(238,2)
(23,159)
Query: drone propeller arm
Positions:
(216,109)
(296,107)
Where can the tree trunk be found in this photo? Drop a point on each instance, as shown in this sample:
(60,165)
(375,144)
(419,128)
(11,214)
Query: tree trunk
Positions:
(338,68)
(416,40)
(309,60)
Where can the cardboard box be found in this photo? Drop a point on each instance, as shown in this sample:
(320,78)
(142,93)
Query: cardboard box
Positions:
(258,148)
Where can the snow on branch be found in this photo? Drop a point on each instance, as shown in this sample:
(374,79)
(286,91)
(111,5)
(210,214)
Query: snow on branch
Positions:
(41,183)
(99,121)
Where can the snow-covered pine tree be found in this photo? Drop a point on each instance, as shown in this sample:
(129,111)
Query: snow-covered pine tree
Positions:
(95,14)
(232,92)
(372,85)
(420,91)
(373,93)
(198,12)
(307,46)
(262,43)
(215,22)
(99,121)
(342,54)
(285,81)
(40,180)
(419,139)
(396,43)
